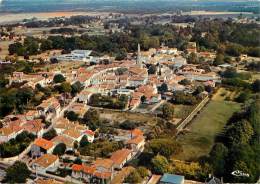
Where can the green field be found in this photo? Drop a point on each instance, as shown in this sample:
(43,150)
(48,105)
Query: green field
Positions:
(203,129)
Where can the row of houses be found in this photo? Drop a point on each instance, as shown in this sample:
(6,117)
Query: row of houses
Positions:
(102,170)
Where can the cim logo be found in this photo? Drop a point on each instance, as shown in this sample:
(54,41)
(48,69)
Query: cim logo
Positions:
(239,173)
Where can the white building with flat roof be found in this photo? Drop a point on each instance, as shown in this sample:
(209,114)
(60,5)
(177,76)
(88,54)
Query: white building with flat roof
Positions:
(76,55)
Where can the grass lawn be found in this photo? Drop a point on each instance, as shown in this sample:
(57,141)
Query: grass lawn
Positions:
(146,119)
(182,111)
(204,127)
(255,76)
(223,93)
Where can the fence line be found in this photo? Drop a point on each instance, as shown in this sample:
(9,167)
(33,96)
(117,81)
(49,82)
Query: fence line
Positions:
(192,114)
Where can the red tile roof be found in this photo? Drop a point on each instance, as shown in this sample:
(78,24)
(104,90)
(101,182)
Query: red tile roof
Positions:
(120,156)
(43,143)
(137,132)
(89,132)
(77,167)
(136,140)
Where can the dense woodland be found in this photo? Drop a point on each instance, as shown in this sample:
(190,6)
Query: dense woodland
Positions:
(224,36)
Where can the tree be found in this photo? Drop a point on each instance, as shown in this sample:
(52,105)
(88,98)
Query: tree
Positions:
(152,69)
(50,134)
(75,144)
(46,45)
(199,90)
(3,81)
(193,59)
(122,54)
(76,88)
(164,88)
(129,125)
(77,161)
(72,116)
(242,97)
(229,73)
(239,132)
(185,82)
(59,149)
(58,78)
(133,177)
(143,172)
(84,141)
(218,156)
(92,118)
(160,164)
(234,50)
(179,97)
(54,60)
(16,48)
(92,115)
(219,60)
(168,111)
(17,173)
(65,87)
(143,99)
(165,147)
(256,86)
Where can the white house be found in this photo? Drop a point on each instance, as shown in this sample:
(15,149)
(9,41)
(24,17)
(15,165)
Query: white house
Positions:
(121,157)
(47,162)
(90,135)
(76,55)
(41,146)
(7,133)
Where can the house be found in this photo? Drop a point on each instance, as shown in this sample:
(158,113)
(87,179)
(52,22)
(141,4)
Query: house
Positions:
(135,100)
(171,179)
(73,133)
(207,55)
(49,107)
(136,144)
(35,127)
(41,146)
(78,108)
(9,132)
(101,171)
(136,132)
(178,62)
(133,71)
(150,93)
(61,125)
(75,55)
(46,162)
(46,181)
(90,135)
(121,157)
(69,142)
(104,169)
(31,115)
(84,96)
(135,81)
(191,50)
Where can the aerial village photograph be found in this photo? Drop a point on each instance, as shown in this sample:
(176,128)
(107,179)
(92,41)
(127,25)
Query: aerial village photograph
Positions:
(129,91)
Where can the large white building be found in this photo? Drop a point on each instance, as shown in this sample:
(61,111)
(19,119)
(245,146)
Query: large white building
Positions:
(76,55)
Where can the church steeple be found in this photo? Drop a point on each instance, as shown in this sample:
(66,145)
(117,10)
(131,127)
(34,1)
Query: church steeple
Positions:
(138,61)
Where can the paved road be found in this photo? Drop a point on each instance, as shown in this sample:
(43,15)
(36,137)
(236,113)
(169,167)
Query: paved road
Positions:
(157,105)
